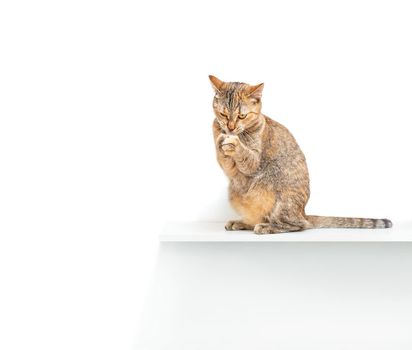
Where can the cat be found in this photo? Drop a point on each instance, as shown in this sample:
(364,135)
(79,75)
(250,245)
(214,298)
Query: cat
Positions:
(269,179)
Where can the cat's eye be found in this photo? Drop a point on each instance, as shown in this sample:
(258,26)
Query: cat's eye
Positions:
(242,116)
(223,115)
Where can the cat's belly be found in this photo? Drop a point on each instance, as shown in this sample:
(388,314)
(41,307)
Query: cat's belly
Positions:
(254,205)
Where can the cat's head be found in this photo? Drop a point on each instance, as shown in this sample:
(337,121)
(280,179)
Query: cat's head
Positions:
(236,105)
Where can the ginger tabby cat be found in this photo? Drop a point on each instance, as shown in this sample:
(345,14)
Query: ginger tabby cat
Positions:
(269,180)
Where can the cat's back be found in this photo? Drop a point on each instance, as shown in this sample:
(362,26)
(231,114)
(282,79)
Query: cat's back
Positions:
(277,140)
(283,163)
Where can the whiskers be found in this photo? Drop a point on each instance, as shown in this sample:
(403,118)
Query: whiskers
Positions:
(239,129)
(248,136)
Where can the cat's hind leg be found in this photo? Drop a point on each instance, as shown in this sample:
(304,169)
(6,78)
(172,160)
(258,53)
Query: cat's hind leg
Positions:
(270,228)
(237,225)
(287,216)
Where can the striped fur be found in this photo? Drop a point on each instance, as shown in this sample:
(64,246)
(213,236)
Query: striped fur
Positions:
(268,176)
(336,222)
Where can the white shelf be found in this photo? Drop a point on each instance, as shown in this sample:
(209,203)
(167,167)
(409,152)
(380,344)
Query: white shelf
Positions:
(279,296)
(215,232)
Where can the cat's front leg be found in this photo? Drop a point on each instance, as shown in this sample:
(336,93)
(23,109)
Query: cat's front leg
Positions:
(247,160)
(227,163)
(230,145)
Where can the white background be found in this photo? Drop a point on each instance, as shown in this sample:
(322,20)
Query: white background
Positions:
(105,133)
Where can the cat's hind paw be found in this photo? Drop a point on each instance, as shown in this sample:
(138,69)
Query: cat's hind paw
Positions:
(261,229)
(237,225)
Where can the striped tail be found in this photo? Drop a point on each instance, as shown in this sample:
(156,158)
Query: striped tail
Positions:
(338,222)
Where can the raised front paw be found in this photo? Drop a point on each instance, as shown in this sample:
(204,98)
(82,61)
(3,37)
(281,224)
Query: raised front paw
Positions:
(230,144)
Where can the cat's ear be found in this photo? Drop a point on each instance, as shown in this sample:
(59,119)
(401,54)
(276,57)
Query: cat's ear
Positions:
(255,92)
(216,83)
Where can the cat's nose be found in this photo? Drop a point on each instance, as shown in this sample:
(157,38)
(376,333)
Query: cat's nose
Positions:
(231,126)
